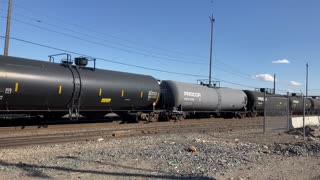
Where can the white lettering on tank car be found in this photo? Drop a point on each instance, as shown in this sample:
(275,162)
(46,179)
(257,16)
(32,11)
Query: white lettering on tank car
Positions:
(152,95)
(8,91)
(188,99)
(295,101)
(192,94)
(1,97)
(261,99)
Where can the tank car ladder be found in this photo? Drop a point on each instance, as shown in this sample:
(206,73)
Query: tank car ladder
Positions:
(74,107)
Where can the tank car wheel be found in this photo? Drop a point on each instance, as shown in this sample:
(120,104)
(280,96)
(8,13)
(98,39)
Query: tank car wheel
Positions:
(146,117)
(252,114)
(240,115)
(153,117)
(179,117)
(163,116)
(138,116)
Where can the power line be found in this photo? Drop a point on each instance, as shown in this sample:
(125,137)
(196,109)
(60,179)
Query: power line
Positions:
(40,21)
(1,43)
(95,37)
(102,59)
(102,44)
(121,63)
(233,71)
(134,65)
(233,83)
(106,34)
(231,68)
(245,75)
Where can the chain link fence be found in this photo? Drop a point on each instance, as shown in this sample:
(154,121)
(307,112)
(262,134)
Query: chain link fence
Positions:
(283,113)
(276,113)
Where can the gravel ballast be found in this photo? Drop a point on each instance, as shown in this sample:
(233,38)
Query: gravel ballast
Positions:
(174,156)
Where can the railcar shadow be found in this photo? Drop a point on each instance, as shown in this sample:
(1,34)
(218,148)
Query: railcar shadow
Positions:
(37,171)
(110,164)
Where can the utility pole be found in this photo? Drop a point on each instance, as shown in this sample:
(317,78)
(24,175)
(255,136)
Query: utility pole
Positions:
(264,112)
(304,116)
(6,44)
(274,83)
(212,21)
(307,73)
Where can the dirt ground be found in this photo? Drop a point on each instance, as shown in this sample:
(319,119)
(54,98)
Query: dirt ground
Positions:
(234,154)
(278,168)
(275,166)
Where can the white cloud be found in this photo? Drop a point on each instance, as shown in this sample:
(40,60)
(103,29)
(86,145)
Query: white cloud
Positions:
(281,61)
(264,77)
(294,83)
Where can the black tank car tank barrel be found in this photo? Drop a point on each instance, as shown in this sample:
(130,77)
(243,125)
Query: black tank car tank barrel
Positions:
(36,86)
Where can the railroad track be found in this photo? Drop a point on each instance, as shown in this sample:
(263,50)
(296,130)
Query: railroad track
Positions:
(128,131)
(101,124)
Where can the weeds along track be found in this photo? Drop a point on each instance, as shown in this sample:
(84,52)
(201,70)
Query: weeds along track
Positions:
(87,132)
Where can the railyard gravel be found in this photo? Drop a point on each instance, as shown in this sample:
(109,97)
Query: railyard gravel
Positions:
(172,156)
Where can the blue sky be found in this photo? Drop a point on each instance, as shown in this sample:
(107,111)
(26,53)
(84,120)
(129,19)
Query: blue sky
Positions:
(174,36)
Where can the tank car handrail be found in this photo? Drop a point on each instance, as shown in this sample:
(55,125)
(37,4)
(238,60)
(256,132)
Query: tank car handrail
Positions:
(51,57)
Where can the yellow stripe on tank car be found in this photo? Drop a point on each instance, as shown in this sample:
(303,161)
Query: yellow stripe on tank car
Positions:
(122,93)
(157,99)
(100,91)
(60,89)
(16,88)
(141,94)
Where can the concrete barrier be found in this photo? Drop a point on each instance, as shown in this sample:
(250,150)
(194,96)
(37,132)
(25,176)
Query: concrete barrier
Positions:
(297,122)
